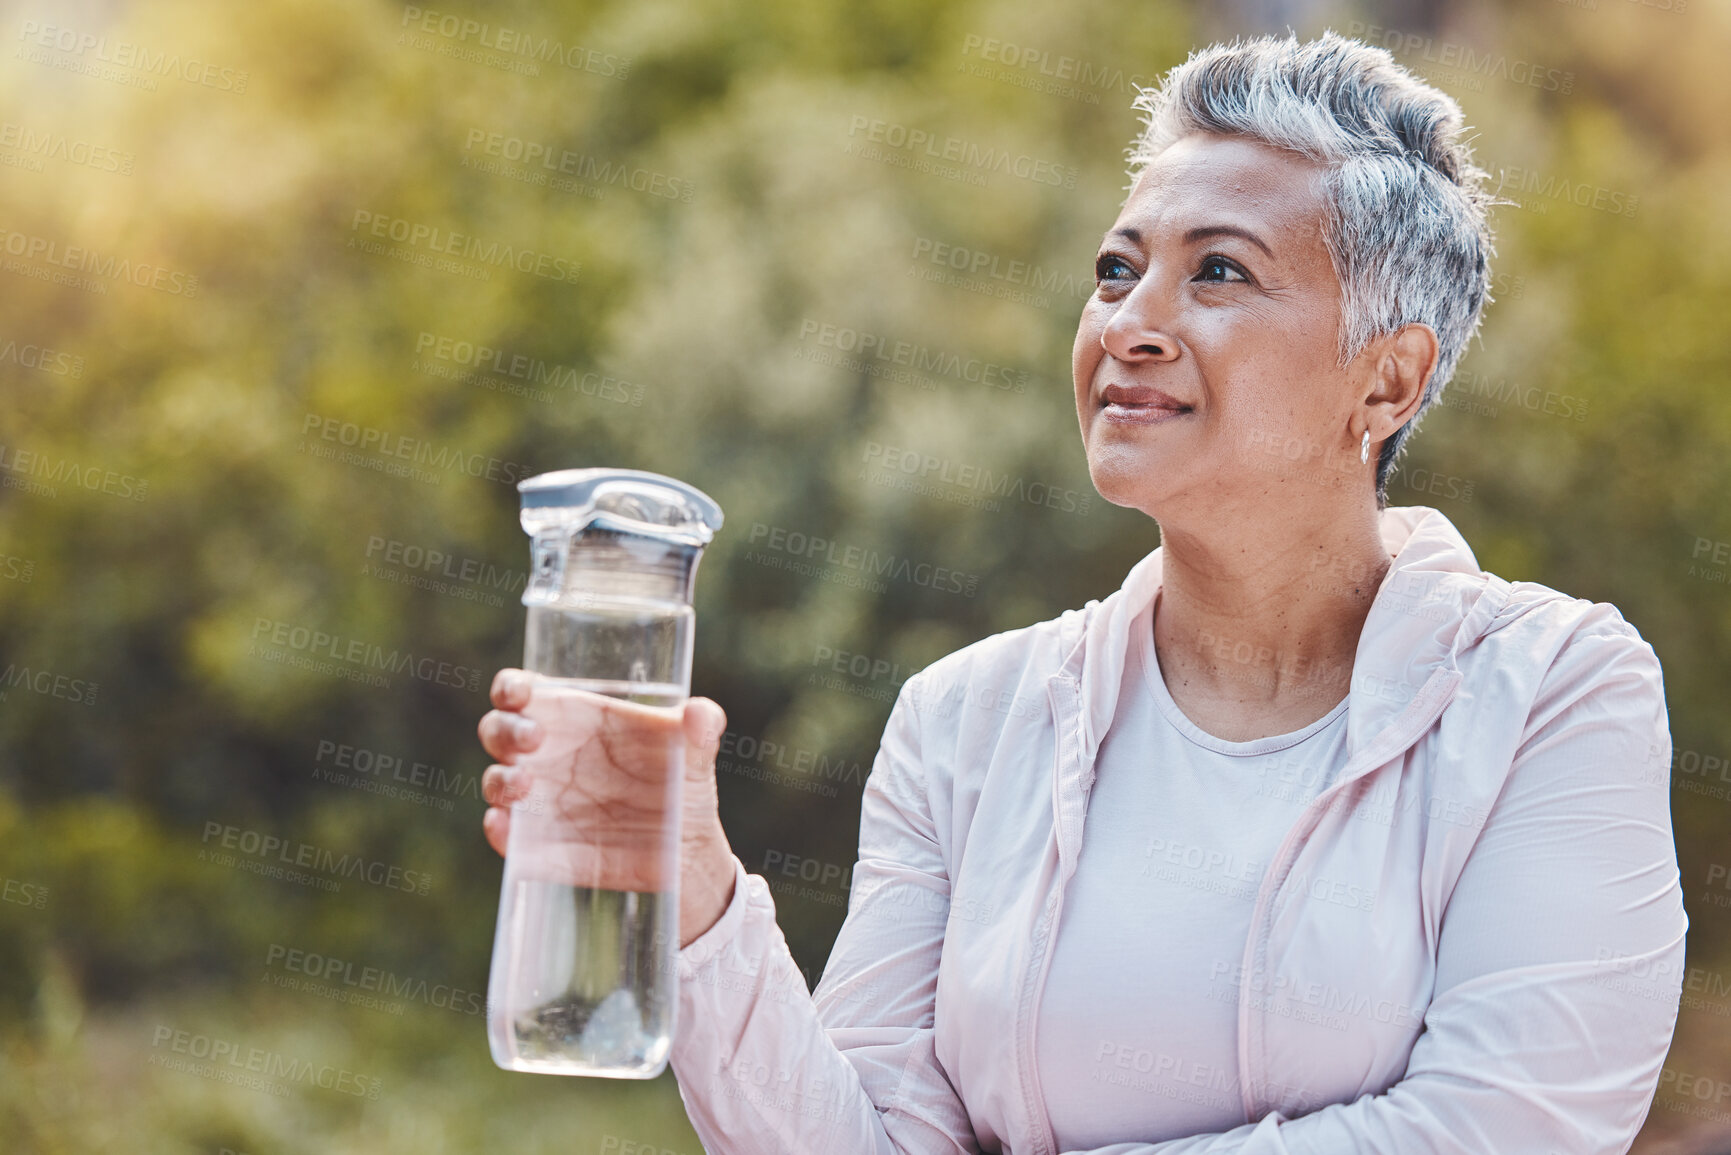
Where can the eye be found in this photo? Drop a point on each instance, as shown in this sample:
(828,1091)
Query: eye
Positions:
(1214,262)
(1111,268)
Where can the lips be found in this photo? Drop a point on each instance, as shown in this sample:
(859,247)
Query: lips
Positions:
(1142,403)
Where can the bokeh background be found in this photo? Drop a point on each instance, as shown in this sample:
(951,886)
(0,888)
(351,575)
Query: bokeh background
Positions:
(260,258)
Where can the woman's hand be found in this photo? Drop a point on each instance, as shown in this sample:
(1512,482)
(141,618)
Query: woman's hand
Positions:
(602,769)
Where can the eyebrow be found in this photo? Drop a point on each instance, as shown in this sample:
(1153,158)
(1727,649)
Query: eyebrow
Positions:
(1134,236)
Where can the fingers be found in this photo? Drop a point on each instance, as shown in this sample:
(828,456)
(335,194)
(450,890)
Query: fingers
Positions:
(505,785)
(496,825)
(506,734)
(511,688)
(704,721)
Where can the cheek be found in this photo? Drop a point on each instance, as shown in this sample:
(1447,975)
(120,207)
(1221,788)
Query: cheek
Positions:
(1274,405)
(1087,351)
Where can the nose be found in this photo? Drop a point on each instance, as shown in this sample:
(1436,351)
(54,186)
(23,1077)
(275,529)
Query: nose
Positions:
(1134,333)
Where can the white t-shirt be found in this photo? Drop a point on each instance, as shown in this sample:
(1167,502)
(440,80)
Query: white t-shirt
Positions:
(1137,1033)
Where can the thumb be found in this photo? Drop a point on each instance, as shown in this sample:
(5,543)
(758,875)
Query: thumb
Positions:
(704,722)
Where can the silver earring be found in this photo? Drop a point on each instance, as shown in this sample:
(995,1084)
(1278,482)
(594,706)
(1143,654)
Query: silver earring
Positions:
(1364,447)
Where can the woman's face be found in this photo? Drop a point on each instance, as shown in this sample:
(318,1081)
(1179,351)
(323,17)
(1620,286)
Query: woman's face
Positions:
(1205,361)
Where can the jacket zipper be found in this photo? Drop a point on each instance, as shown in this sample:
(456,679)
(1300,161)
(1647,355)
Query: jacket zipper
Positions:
(1378,753)
(1485,608)
(1040,1127)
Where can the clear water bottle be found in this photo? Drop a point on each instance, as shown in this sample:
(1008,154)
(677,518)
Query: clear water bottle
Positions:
(584,955)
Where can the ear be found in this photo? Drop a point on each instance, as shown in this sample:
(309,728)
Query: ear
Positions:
(1401,365)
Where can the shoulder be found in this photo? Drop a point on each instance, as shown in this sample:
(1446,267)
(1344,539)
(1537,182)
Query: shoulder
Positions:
(1006,659)
(962,702)
(1589,666)
(1571,630)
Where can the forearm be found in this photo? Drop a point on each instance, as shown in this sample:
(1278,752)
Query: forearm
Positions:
(757,1070)
(761,1070)
(1559,1057)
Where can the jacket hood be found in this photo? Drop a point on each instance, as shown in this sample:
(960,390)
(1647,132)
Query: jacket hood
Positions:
(1433,603)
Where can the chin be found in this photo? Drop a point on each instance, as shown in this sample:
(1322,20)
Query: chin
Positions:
(1124,479)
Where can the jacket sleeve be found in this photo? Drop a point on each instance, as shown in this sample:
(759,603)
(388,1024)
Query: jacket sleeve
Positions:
(766,1067)
(1560,955)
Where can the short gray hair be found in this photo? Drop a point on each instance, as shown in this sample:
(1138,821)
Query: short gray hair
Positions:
(1405,207)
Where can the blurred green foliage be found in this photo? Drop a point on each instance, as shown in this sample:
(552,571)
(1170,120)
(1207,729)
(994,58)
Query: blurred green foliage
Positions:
(727,203)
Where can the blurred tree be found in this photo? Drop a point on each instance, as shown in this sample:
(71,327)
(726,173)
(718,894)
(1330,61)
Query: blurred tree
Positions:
(773,248)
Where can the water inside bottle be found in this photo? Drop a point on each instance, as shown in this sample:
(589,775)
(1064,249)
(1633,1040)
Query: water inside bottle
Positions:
(619,646)
(584,980)
(612,1013)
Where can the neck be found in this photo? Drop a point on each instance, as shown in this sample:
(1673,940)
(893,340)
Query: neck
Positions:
(1270,611)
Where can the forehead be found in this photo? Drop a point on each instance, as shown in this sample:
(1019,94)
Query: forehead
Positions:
(1205,179)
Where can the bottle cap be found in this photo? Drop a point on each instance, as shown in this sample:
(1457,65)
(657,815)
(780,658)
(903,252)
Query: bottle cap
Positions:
(627,500)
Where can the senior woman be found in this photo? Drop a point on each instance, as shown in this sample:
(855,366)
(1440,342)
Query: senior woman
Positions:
(1314,836)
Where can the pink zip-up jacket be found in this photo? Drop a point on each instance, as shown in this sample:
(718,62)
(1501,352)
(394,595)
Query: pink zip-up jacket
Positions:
(1472,941)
